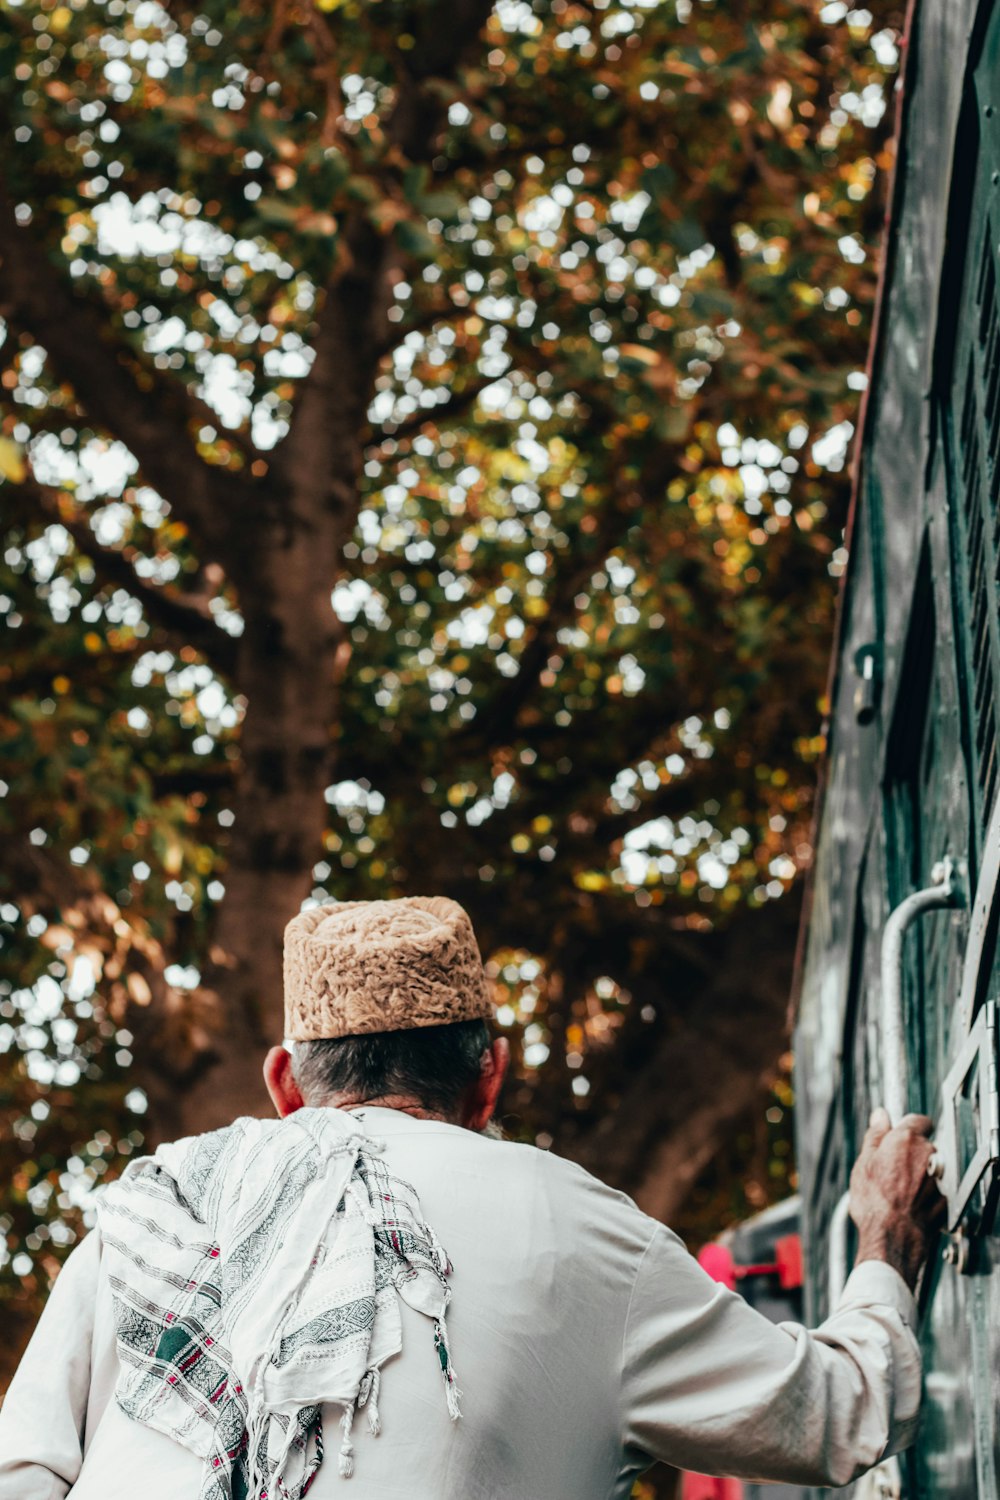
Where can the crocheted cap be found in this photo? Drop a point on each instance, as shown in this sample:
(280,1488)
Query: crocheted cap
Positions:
(363,966)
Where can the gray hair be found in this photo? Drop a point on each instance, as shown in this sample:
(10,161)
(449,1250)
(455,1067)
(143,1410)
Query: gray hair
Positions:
(435,1065)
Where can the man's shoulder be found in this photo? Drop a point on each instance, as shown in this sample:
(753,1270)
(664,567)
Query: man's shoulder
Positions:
(575,1196)
(603,1199)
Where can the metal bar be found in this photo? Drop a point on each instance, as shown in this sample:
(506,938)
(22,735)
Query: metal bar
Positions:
(839,1223)
(987,894)
(943,893)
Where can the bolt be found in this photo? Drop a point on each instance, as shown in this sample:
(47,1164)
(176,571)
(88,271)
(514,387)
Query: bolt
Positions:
(950,1254)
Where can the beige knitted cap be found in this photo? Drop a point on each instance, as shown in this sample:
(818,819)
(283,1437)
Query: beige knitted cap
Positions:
(362,966)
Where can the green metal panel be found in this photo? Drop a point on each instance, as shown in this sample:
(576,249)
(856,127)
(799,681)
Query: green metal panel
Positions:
(851,806)
(973,431)
(926,812)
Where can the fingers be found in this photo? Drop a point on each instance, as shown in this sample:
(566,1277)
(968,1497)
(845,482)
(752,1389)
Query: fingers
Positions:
(918,1124)
(879,1126)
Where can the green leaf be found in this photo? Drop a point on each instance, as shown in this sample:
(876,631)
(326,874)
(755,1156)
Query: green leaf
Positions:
(415,240)
(685,235)
(277,211)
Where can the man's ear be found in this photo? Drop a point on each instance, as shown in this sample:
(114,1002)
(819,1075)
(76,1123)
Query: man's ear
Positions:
(280,1081)
(481,1101)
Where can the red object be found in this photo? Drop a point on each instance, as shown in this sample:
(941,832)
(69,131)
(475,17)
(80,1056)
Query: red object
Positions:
(789,1253)
(763,1268)
(718,1261)
(705,1487)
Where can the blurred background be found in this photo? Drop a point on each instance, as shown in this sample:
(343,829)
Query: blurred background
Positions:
(423,443)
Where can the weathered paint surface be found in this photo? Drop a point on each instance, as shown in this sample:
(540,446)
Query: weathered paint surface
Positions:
(919,781)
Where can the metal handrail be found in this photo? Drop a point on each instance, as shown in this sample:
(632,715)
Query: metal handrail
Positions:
(944,892)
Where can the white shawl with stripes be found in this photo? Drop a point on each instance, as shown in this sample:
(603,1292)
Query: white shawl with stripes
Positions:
(256,1273)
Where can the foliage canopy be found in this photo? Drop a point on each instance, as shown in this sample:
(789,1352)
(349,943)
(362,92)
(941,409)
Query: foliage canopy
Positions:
(530,336)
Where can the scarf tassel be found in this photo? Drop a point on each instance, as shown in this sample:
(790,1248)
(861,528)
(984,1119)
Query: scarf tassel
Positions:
(345,1460)
(368,1396)
(452,1393)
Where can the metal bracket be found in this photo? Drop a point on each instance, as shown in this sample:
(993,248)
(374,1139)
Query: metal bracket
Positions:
(967,1139)
(868,666)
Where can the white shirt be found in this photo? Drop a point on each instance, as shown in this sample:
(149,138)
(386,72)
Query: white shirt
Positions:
(586,1340)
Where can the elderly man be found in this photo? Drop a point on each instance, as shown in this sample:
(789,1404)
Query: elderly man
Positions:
(377,1277)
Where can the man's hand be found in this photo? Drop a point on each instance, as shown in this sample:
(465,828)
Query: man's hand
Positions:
(894,1203)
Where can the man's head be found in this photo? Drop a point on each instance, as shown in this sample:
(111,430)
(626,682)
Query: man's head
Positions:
(386,1002)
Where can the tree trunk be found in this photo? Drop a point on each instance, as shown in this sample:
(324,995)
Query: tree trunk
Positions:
(680,1097)
(287,671)
(288,675)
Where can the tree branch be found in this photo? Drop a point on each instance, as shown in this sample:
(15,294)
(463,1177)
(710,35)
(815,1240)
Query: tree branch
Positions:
(438,51)
(456,403)
(209,776)
(742,970)
(322,452)
(183,617)
(501,715)
(78,341)
(420,322)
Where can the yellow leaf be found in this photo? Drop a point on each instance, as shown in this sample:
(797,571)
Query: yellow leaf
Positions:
(12,465)
(174,857)
(640,353)
(138,989)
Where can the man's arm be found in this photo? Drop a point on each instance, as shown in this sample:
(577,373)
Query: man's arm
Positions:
(710,1385)
(44,1412)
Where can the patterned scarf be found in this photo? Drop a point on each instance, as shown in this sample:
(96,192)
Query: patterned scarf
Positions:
(256,1273)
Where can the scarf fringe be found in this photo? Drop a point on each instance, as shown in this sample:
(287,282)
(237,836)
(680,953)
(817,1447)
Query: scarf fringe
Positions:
(368,1396)
(452,1393)
(345,1460)
(265,1468)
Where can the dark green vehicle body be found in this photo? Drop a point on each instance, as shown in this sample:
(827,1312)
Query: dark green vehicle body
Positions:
(912,773)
